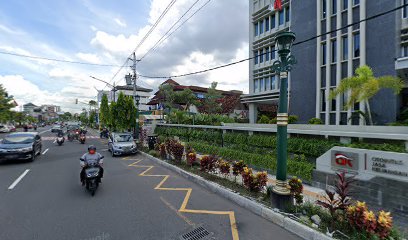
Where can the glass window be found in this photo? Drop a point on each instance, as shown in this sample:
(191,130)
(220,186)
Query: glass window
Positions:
(256,57)
(287,14)
(273,53)
(334,6)
(281,17)
(267,54)
(333,105)
(267,83)
(261,27)
(345,48)
(405,9)
(256,87)
(356,45)
(261,55)
(323,100)
(262,85)
(256,29)
(324,54)
(273,21)
(333,51)
(356,2)
(345,4)
(267,24)
(404,51)
(273,82)
(324,10)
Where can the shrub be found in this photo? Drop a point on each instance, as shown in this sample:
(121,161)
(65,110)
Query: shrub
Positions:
(162,151)
(176,149)
(293,119)
(191,158)
(208,163)
(153,153)
(296,189)
(273,121)
(254,183)
(315,121)
(224,167)
(238,167)
(263,119)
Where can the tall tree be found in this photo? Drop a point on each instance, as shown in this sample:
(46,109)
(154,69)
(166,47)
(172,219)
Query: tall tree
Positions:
(5,104)
(186,97)
(92,117)
(364,85)
(104,111)
(121,112)
(168,95)
(113,116)
(93,104)
(210,102)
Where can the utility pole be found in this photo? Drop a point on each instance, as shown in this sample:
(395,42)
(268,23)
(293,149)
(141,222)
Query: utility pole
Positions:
(135,101)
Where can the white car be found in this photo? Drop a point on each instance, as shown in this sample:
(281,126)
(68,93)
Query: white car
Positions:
(4,129)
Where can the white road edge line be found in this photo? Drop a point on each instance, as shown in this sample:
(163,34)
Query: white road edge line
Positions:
(45,151)
(55,141)
(18,179)
(44,131)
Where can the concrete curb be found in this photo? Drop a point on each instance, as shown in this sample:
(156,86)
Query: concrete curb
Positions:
(285,222)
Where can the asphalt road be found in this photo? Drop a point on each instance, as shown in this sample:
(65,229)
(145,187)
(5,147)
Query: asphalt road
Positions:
(49,202)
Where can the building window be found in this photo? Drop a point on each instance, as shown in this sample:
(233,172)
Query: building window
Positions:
(404,9)
(261,27)
(287,14)
(333,105)
(343,101)
(267,54)
(267,84)
(273,21)
(404,51)
(256,29)
(256,85)
(356,45)
(324,10)
(262,85)
(322,100)
(356,2)
(281,17)
(256,57)
(345,48)
(267,24)
(273,53)
(334,7)
(324,53)
(345,4)
(273,82)
(261,56)
(333,51)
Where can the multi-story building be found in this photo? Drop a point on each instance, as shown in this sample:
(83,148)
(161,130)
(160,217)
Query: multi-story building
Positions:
(381,43)
(127,90)
(28,108)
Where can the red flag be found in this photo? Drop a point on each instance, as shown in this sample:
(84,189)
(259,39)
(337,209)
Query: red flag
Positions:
(278,4)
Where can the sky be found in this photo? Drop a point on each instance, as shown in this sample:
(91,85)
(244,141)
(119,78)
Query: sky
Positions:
(106,32)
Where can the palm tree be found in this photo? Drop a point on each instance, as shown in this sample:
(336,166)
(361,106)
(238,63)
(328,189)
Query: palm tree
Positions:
(364,85)
(93,104)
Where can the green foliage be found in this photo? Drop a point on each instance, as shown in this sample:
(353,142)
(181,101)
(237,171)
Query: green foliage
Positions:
(293,119)
(5,104)
(92,117)
(104,114)
(315,121)
(210,103)
(263,119)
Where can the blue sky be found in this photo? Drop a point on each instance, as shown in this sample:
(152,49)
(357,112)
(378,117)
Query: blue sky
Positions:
(106,32)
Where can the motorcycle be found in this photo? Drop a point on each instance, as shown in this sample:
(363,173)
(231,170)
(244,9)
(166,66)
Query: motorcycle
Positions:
(70,137)
(60,140)
(82,138)
(92,178)
(104,134)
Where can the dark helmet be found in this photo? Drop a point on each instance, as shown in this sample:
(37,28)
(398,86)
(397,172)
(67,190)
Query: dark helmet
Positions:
(91,147)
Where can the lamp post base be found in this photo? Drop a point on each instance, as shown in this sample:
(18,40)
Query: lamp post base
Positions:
(280,196)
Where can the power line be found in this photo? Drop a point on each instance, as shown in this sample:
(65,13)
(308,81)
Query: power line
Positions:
(160,40)
(57,60)
(297,43)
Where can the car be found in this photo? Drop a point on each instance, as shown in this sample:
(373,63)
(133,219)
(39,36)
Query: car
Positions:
(121,143)
(20,145)
(56,128)
(12,128)
(4,129)
(29,126)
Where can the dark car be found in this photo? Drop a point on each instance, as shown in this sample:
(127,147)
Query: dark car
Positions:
(20,145)
(121,143)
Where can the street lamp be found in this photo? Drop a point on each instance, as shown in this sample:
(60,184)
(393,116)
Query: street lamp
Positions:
(137,98)
(284,42)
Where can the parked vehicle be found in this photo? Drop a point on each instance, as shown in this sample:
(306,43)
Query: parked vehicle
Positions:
(11,127)
(4,129)
(121,143)
(21,145)
(56,128)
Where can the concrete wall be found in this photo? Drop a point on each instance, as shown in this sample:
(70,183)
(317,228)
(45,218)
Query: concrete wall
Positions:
(303,76)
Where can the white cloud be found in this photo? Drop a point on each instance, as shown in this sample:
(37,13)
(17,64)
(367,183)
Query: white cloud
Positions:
(89,57)
(120,23)
(8,30)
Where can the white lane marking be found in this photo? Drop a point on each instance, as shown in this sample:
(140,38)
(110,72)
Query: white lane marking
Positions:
(55,141)
(46,150)
(18,179)
(44,131)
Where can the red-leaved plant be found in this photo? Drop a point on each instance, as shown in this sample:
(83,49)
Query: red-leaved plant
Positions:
(237,168)
(254,183)
(224,167)
(208,163)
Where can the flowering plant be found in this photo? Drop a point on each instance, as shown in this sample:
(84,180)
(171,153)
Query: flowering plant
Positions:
(237,168)
(191,158)
(224,167)
(254,183)
(296,189)
(208,163)
(162,150)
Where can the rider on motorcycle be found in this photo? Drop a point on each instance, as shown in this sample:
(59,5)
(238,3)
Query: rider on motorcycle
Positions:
(60,133)
(91,157)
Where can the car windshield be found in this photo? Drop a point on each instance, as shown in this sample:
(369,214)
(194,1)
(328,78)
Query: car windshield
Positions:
(123,138)
(18,139)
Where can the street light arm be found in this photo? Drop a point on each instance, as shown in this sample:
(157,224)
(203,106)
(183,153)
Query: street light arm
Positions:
(113,86)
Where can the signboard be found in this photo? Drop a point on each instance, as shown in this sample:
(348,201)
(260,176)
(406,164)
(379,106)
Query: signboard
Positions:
(365,164)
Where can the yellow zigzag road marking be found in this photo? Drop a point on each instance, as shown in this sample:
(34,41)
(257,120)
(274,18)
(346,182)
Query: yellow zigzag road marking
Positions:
(183,206)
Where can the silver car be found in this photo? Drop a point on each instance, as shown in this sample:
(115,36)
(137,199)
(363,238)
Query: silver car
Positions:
(121,143)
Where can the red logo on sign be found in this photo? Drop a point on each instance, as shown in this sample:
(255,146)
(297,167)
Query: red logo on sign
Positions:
(343,160)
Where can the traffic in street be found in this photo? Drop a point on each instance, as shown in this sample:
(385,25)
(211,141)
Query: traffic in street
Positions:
(44,199)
